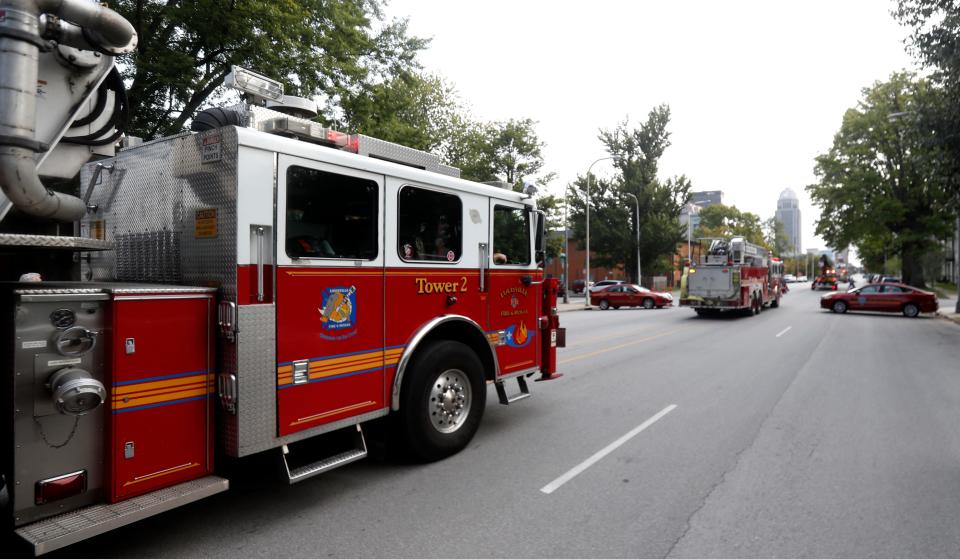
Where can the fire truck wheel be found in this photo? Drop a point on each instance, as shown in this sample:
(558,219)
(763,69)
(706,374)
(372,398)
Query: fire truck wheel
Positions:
(604,304)
(442,401)
(839,307)
(648,303)
(758,305)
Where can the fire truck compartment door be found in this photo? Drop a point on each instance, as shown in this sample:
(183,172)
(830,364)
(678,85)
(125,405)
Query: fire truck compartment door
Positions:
(162,378)
(329,294)
(514,303)
(712,281)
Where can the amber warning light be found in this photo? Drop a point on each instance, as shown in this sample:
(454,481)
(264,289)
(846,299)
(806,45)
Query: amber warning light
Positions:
(60,487)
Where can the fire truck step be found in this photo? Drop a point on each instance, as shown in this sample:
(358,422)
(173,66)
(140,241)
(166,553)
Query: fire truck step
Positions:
(502,391)
(65,529)
(301,471)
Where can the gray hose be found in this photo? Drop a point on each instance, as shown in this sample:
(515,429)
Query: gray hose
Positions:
(19,52)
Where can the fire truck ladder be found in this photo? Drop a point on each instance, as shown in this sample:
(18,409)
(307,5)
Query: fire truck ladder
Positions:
(507,400)
(300,467)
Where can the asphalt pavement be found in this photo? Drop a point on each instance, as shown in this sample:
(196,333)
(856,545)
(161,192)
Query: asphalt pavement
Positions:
(794,433)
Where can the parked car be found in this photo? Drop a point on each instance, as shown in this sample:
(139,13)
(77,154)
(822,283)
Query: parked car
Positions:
(605,283)
(890,279)
(882,297)
(578,286)
(789,278)
(629,295)
(802,279)
(824,282)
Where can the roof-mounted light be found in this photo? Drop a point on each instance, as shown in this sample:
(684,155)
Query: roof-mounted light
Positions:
(260,87)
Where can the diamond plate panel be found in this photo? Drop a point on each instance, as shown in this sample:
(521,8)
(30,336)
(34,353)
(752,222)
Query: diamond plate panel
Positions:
(147,207)
(51,241)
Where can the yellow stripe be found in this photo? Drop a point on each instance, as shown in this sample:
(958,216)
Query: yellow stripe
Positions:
(310,418)
(285,371)
(162,473)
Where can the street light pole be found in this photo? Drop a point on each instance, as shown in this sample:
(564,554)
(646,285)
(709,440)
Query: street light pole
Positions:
(566,252)
(586,283)
(637,201)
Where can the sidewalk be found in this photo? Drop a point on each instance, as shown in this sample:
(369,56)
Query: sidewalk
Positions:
(948,308)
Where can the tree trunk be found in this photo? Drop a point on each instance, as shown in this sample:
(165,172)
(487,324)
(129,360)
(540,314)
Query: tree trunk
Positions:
(912,259)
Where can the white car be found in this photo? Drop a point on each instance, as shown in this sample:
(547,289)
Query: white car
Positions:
(604,283)
(802,279)
(789,278)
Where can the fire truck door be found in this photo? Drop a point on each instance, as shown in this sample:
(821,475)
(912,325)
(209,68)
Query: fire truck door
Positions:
(330,285)
(514,302)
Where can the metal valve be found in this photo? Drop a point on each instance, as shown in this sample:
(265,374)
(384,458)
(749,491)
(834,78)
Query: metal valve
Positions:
(75,391)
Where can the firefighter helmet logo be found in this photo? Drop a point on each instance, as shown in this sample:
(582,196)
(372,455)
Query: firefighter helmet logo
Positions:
(338,311)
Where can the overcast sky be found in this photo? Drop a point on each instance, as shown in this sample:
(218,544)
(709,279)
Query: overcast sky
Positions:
(756,88)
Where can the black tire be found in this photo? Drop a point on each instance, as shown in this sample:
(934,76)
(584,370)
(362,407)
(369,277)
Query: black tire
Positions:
(776,302)
(839,307)
(604,304)
(616,307)
(911,311)
(433,429)
(647,303)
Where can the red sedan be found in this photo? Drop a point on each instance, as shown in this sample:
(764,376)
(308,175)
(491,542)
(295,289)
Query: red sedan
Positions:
(884,297)
(629,295)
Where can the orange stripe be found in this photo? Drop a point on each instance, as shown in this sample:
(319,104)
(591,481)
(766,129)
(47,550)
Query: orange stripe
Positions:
(163,398)
(159,391)
(157,384)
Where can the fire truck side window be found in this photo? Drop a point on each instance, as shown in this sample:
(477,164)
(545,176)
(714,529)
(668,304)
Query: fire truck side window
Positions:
(511,236)
(331,215)
(429,225)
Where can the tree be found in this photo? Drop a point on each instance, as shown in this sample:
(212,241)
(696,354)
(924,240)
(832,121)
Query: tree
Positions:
(509,151)
(325,48)
(416,110)
(875,186)
(775,237)
(636,153)
(719,220)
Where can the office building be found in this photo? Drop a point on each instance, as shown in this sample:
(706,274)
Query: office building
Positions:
(788,213)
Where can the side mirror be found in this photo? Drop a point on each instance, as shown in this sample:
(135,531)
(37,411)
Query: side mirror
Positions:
(540,254)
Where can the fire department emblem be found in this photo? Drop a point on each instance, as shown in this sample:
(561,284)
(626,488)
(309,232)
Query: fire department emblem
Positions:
(514,301)
(517,335)
(338,310)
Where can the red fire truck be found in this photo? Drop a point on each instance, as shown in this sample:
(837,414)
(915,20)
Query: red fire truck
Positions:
(261,284)
(731,275)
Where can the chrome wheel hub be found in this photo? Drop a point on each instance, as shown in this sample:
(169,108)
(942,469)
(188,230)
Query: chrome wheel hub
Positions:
(450,399)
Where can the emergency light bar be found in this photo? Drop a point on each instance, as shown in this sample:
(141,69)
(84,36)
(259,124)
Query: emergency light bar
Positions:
(254,84)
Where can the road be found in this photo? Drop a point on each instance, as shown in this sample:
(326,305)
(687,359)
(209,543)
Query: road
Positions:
(795,433)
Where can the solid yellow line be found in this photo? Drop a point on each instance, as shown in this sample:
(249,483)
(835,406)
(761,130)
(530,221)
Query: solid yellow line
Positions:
(621,346)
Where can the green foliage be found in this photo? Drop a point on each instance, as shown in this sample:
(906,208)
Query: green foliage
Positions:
(418,111)
(875,186)
(333,49)
(775,237)
(719,220)
(636,153)
(509,151)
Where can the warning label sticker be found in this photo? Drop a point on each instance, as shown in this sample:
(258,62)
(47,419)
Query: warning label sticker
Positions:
(205,223)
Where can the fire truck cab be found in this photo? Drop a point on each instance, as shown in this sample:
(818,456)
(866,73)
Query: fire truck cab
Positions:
(261,283)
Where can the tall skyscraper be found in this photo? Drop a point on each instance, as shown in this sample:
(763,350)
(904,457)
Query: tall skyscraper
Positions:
(788,213)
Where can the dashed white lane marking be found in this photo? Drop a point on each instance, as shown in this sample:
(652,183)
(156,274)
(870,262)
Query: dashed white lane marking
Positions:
(784,331)
(579,468)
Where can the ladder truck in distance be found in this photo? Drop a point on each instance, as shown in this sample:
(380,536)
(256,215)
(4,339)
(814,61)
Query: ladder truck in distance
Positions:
(731,275)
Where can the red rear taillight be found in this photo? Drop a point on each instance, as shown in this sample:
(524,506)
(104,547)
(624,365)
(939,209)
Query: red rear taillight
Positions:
(60,487)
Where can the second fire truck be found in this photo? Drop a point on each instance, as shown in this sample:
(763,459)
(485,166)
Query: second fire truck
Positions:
(731,275)
(260,284)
